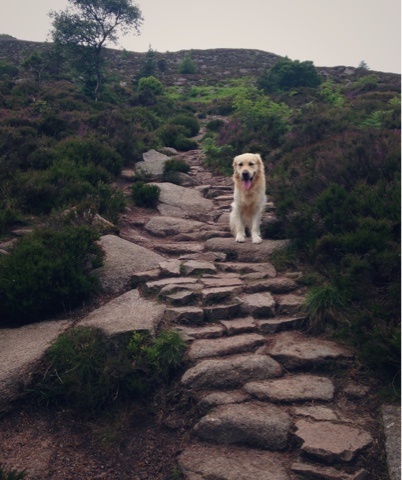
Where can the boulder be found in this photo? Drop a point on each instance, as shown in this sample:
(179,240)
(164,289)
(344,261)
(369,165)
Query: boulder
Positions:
(153,164)
(225,346)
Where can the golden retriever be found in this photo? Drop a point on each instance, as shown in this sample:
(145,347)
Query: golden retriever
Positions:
(249,197)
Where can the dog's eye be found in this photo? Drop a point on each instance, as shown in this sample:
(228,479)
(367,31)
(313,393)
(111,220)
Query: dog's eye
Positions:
(251,164)
(240,164)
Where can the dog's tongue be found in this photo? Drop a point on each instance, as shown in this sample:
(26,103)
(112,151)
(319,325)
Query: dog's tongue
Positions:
(246,184)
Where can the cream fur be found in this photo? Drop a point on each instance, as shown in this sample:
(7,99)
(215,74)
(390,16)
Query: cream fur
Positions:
(248,204)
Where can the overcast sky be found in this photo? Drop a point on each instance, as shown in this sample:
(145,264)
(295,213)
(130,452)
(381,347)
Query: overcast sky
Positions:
(327,32)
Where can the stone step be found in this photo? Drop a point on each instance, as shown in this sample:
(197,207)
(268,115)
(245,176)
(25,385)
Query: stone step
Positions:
(200,349)
(256,424)
(295,388)
(279,324)
(296,350)
(231,372)
(231,463)
(273,285)
(319,472)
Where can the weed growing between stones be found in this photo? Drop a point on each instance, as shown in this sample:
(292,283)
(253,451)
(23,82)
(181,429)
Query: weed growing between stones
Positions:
(145,195)
(10,474)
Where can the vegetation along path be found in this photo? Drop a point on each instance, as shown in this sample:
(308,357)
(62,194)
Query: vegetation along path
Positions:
(270,401)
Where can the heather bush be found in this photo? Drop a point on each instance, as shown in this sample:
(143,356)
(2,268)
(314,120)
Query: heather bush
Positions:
(189,122)
(87,370)
(145,195)
(47,272)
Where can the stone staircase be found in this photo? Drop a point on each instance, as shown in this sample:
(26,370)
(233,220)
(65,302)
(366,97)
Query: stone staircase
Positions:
(276,403)
(273,398)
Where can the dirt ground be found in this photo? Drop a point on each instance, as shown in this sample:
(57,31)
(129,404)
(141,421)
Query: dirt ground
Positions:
(128,442)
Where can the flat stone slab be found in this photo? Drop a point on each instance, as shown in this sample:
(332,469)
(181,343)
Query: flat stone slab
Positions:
(316,412)
(246,252)
(264,270)
(223,281)
(330,441)
(279,324)
(222,312)
(30,342)
(327,473)
(127,313)
(217,294)
(230,463)
(240,325)
(171,226)
(122,260)
(255,424)
(196,267)
(225,346)
(156,285)
(295,350)
(274,285)
(231,372)
(391,415)
(197,333)
(258,304)
(187,315)
(179,248)
(188,201)
(290,304)
(292,389)
(223,398)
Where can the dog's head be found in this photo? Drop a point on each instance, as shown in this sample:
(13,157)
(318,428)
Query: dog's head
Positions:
(247,168)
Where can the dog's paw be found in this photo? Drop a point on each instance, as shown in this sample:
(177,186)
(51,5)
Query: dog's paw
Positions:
(256,239)
(240,238)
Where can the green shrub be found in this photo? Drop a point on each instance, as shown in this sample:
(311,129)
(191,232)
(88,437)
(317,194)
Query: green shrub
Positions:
(47,272)
(187,66)
(287,74)
(88,370)
(190,122)
(215,125)
(151,85)
(175,165)
(185,144)
(145,195)
(169,134)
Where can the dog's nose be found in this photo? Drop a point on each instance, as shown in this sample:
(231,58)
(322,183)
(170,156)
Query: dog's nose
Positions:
(245,176)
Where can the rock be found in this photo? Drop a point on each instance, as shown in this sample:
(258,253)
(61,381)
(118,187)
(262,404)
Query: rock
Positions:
(182,297)
(239,325)
(215,295)
(391,415)
(230,463)
(252,423)
(231,372)
(316,412)
(258,304)
(170,268)
(326,473)
(122,260)
(127,313)
(194,333)
(353,391)
(195,267)
(177,248)
(246,252)
(223,280)
(330,441)
(266,269)
(190,315)
(225,346)
(221,312)
(169,226)
(153,164)
(157,285)
(295,350)
(279,324)
(189,201)
(292,389)
(142,277)
(21,349)
(290,304)
(223,398)
(274,285)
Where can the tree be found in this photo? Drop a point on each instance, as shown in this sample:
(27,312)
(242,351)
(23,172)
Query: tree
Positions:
(93,24)
(187,65)
(287,74)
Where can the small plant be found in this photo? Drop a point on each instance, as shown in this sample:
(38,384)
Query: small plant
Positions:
(10,474)
(176,165)
(145,195)
(326,307)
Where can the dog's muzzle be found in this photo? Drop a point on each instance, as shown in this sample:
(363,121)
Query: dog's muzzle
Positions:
(246,180)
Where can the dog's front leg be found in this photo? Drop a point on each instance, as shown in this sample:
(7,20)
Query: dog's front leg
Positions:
(237,226)
(255,228)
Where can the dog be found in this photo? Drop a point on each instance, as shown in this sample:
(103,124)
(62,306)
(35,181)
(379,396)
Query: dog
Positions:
(249,197)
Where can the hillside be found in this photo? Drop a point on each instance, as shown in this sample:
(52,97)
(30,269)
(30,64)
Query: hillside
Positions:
(71,171)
